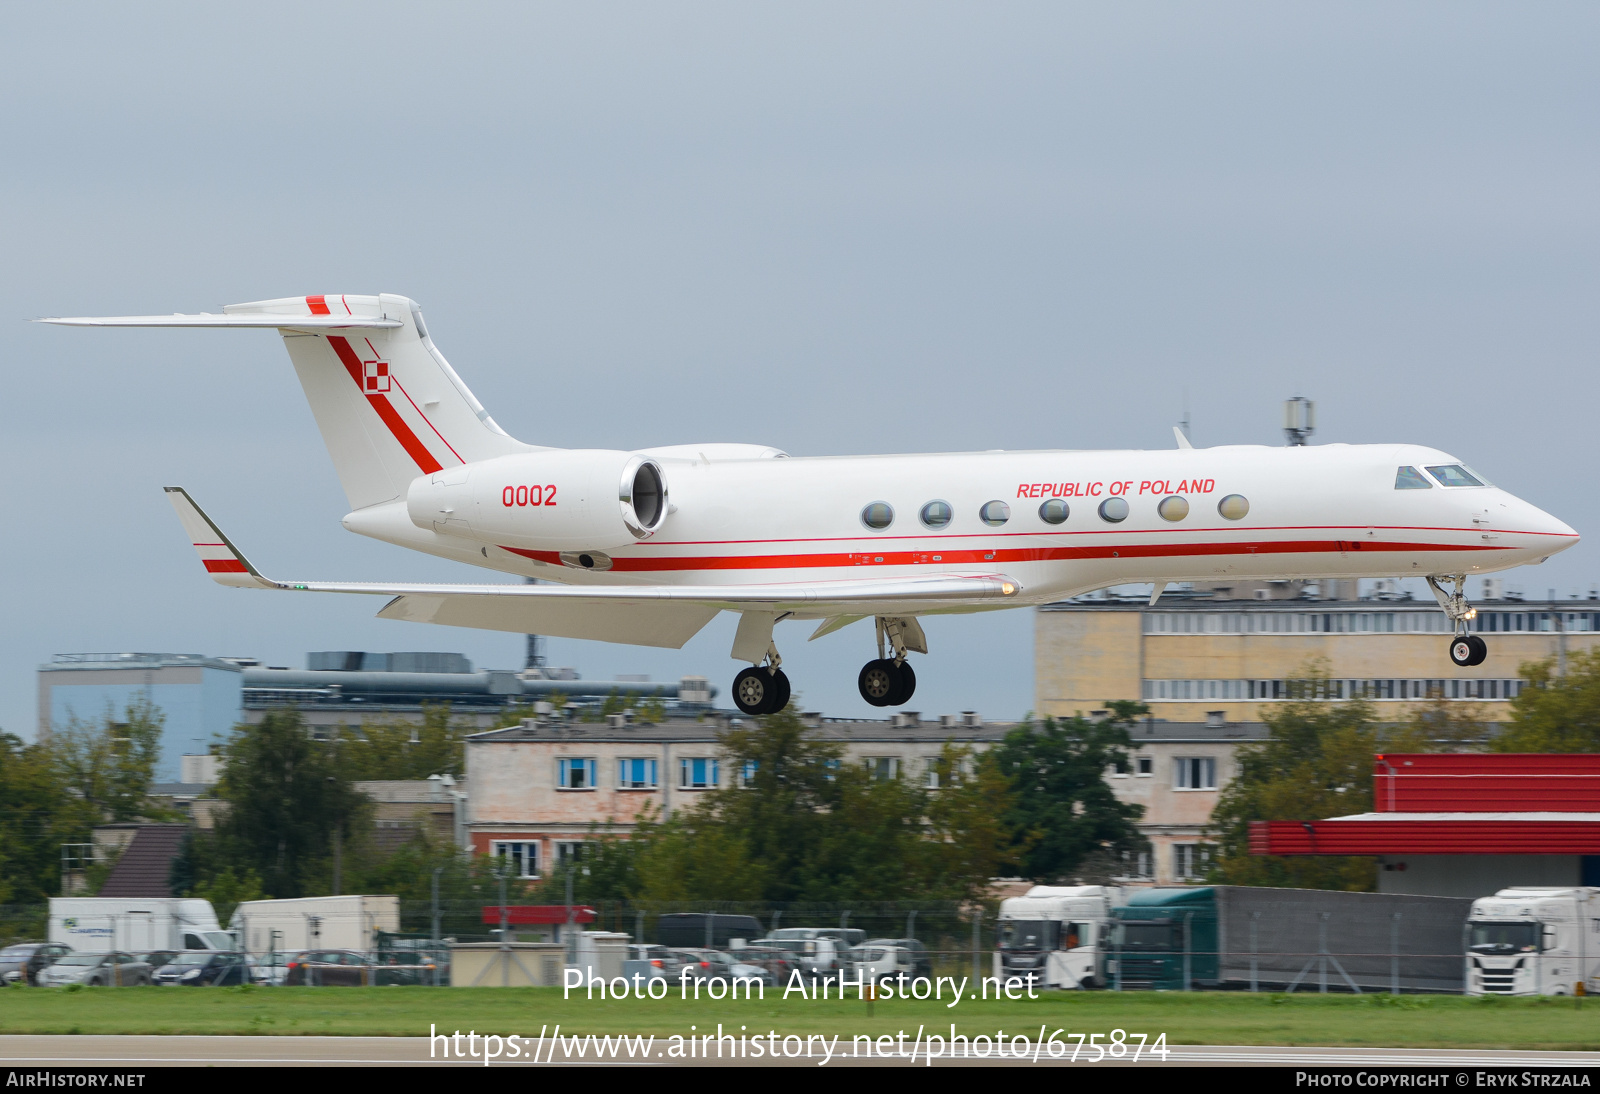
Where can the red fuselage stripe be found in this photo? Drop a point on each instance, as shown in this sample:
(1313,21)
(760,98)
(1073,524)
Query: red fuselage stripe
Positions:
(391,417)
(999,555)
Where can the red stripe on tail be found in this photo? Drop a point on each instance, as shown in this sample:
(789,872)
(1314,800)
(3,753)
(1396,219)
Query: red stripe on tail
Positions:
(391,417)
(318,305)
(224,566)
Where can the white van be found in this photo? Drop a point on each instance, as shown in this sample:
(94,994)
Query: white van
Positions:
(878,961)
(104,924)
(1533,941)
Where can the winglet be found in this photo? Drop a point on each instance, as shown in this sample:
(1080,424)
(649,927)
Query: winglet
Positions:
(223,561)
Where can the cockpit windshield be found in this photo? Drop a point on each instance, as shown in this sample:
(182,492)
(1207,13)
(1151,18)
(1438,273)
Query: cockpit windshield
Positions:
(1490,937)
(1454,474)
(1409,478)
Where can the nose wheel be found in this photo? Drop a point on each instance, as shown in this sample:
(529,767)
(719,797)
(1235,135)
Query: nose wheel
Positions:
(761,690)
(886,684)
(1467,650)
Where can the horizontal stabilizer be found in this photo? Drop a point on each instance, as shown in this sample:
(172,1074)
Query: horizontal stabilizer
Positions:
(206,319)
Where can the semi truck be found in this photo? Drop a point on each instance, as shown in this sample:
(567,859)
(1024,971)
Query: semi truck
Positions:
(1236,936)
(314,923)
(1054,933)
(133,925)
(1534,941)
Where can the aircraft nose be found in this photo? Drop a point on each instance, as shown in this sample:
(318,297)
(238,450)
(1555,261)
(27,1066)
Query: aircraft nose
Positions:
(1551,531)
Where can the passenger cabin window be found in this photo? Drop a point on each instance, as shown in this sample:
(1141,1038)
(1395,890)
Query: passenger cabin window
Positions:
(878,515)
(1054,511)
(994,513)
(1114,510)
(1234,507)
(1409,478)
(1453,474)
(936,514)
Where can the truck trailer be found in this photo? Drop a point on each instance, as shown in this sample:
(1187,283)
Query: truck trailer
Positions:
(1532,941)
(1252,938)
(315,923)
(97,924)
(1054,933)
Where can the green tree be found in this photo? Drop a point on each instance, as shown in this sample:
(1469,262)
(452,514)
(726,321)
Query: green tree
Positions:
(398,748)
(285,796)
(108,765)
(1315,763)
(1555,713)
(967,820)
(1062,810)
(37,815)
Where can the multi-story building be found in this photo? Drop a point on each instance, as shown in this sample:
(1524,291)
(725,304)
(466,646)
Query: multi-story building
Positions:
(539,790)
(1226,653)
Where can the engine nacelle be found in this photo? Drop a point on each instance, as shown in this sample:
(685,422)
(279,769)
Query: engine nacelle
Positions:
(564,499)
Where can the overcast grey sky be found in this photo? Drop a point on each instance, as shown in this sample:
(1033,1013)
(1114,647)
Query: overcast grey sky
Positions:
(854,227)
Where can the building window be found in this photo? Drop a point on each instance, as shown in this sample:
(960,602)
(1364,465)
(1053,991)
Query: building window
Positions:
(1194,773)
(1119,767)
(575,774)
(571,852)
(930,772)
(883,767)
(521,857)
(1136,863)
(747,774)
(636,774)
(1145,765)
(697,774)
(1190,860)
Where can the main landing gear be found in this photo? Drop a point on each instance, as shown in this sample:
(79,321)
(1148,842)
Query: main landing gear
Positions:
(1466,650)
(890,681)
(887,681)
(762,689)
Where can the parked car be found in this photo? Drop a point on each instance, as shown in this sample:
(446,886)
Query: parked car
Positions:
(201,969)
(821,950)
(692,929)
(877,963)
(657,962)
(158,959)
(753,965)
(406,967)
(346,968)
(111,970)
(704,964)
(921,962)
(25,960)
(330,968)
(775,958)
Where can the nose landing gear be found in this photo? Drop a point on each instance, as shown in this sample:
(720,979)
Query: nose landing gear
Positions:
(890,681)
(1466,650)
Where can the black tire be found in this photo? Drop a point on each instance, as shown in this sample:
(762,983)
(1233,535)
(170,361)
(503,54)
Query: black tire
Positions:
(907,686)
(878,682)
(753,690)
(1480,649)
(1461,650)
(780,692)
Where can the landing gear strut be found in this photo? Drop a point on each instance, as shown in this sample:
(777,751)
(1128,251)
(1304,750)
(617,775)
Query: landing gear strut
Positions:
(1466,649)
(762,689)
(890,681)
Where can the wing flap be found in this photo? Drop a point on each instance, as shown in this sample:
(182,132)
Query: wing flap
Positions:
(661,623)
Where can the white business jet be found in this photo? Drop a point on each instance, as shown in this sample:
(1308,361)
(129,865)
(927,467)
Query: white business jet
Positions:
(645,547)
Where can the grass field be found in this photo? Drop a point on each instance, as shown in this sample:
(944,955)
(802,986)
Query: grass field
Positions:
(1197,1018)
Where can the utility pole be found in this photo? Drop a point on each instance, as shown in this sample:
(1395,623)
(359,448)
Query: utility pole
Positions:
(338,833)
(534,662)
(437,870)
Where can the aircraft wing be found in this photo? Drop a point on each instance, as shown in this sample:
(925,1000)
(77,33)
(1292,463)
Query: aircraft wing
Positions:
(649,615)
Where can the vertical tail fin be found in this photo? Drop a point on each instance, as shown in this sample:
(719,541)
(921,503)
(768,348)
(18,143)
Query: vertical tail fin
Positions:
(389,405)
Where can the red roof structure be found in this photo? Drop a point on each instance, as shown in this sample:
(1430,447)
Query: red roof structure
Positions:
(523,914)
(1458,804)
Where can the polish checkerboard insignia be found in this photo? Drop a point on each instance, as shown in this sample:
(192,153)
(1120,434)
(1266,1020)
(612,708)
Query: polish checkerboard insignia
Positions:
(377,376)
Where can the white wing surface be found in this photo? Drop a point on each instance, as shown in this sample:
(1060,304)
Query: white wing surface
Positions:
(647,615)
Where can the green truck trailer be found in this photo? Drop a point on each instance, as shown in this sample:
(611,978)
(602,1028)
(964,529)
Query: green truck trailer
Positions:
(1244,937)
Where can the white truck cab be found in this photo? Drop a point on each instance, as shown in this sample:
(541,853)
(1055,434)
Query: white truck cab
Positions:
(1054,933)
(1534,941)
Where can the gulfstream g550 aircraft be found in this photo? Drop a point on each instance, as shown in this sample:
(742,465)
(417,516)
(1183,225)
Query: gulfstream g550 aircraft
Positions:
(646,546)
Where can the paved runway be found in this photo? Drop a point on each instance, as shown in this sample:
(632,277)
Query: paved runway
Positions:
(146,1051)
